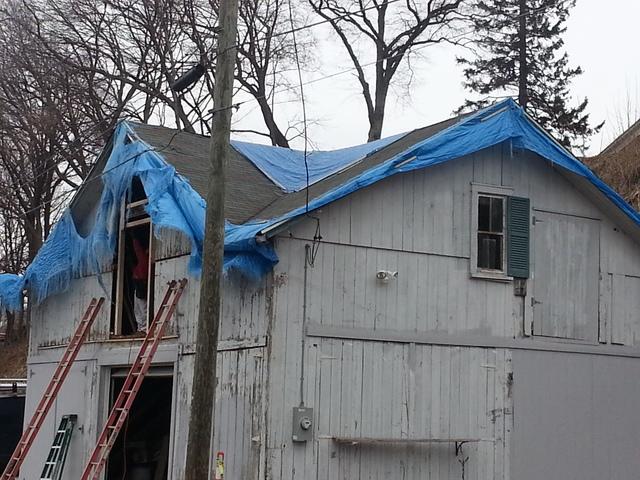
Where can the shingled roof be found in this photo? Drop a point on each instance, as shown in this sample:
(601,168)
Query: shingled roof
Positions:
(248,190)
(250,195)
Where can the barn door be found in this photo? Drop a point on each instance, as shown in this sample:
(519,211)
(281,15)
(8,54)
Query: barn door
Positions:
(566,273)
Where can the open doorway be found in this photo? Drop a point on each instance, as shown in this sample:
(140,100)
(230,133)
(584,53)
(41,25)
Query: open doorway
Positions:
(134,273)
(141,451)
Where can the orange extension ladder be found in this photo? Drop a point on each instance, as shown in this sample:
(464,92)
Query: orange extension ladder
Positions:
(69,356)
(132,383)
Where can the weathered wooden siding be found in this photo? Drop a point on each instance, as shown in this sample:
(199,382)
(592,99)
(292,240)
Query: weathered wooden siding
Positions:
(78,395)
(576,416)
(428,213)
(244,306)
(425,355)
(443,383)
(55,320)
(239,416)
(408,391)
(376,389)
(241,368)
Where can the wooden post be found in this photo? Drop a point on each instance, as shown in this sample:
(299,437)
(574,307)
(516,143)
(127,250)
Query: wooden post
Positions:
(199,444)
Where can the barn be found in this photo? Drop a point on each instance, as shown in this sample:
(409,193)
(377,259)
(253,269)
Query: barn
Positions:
(457,302)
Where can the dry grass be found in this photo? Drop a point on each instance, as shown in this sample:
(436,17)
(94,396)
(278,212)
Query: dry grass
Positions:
(621,171)
(13,359)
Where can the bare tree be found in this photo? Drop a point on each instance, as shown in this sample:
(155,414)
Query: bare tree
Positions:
(141,47)
(265,53)
(393,28)
(626,111)
(138,48)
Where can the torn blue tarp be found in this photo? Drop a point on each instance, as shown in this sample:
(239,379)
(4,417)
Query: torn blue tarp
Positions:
(502,122)
(286,168)
(10,291)
(173,204)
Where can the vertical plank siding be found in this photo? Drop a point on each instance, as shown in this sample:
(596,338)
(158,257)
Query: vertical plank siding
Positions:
(418,225)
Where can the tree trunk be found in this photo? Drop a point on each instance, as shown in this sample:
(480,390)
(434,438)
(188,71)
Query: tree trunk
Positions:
(376,118)
(34,233)
(277,137)
(523,94)
(10,332)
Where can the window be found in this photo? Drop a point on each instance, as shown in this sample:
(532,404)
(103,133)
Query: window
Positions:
(490,233)
(133,281)
(500,233)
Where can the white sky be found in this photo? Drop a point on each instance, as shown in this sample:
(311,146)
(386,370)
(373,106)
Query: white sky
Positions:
(602,38)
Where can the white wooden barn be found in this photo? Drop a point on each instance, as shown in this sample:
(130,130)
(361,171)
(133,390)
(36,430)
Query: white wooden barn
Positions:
(460,302)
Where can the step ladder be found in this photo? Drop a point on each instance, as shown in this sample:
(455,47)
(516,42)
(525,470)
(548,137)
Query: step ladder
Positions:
(54,465)
(132,383)
(50,393)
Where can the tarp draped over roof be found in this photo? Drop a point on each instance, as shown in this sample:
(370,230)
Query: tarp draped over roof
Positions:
(502,122)
(174,204)
(286,167)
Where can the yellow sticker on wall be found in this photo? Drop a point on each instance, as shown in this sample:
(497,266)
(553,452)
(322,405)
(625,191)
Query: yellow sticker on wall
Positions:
(219,473)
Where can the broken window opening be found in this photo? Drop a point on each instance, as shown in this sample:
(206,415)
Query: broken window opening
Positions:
(134,276)
(141,450)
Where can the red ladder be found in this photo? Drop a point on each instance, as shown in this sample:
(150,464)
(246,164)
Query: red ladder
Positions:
(69,356)
(133,381)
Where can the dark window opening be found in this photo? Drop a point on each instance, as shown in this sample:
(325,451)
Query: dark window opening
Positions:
(141,450)
(136,193)
(134,273)
(490,232)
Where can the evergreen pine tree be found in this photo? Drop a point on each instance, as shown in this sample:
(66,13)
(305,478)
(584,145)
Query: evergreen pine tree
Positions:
(519,51)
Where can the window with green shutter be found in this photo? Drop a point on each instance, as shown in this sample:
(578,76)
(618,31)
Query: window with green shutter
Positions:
(500,241)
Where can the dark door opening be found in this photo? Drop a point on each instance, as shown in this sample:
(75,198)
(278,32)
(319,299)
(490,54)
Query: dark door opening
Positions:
(11,418)
(141,451)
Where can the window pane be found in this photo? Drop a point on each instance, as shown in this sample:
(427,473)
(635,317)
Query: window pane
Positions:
(496,215)
(489,251)
(484,213)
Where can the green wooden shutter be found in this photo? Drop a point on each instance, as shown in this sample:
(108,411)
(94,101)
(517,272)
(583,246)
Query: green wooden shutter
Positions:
(518,237)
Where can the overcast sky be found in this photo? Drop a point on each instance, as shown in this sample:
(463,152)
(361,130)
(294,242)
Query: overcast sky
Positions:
(602,38)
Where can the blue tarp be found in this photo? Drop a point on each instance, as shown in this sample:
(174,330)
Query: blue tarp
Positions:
(502,122)
(286,167)
(173,204)
(10,291)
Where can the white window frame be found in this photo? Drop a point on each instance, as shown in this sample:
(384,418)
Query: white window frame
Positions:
(477,190)
(124,223)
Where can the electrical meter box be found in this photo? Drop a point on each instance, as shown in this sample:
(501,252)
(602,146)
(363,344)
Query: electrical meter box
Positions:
(302,424)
